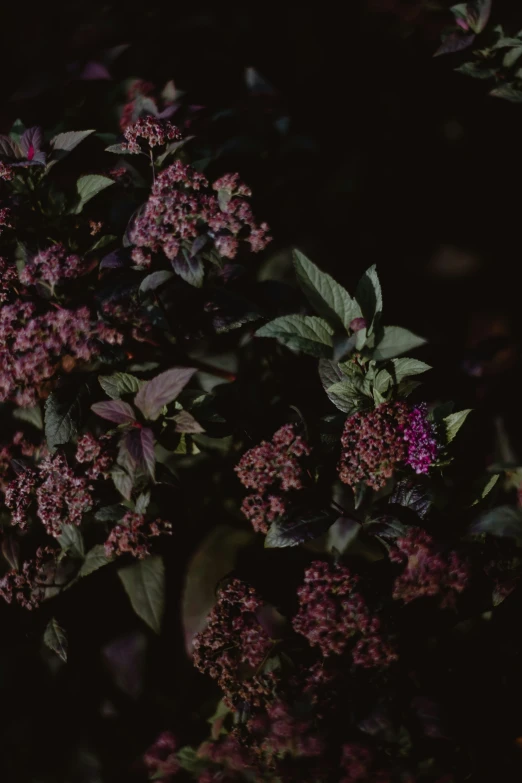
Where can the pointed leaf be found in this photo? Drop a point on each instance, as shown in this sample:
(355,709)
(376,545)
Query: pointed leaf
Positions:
(185,422)
(304,526)
(65,410)
(88,187)
(144,583)
(140,444)
(369,296)
(119,383)
(94,559)
(162,390)
(154,280)
(30,415)
(484,487)
(64,143)
(396,340)
(504,521)
(189,268)
(454,422)
(306,333)
(417,497)
(347,395)
(56,639)
(71,541)
(114,410)
(327,297)
(455,42)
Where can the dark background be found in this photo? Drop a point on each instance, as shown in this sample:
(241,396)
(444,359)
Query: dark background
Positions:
(390,158)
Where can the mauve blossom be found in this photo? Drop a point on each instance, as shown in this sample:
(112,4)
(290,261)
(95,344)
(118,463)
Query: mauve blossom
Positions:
(132,535)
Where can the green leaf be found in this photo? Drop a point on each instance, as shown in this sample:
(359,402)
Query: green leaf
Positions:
(417,497)
(64,143)
(119,383)
(508,92)
(347,395)
(56,639)
(119,149)
(404,368)
(306,333)
(111,513)
(17,130)
(30,415)
(123,481)
(71,541)
(142,503)
(144,583)
(396,340)
(88,187)
(484,487)
(369,296)
(154,280)
(454,422)
(65,409)
(504,521)
(94,559)
(102,242)
(342,534)
(327,297)
(301,527)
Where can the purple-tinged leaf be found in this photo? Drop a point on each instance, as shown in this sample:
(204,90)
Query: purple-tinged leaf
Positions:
(189,268)
(454,42)
(162,390)
(198,244)
(185,422)
(31,142)
(417,497)
(9,148)
(154,280)
(114,410)
(140,445)
(114,260)
(95,71)
(123,481)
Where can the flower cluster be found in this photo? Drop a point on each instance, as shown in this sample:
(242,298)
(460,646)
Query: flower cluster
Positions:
(6,172)
(234,645)
(31,345)
(275,464)
(280,732)
(160,759)
(182,208)
(27,585)
(5,219)
(97,454)
(61,496)
(358,766)
(427,572)
(333,614)
(155,133)
(52,266)
(132,535)
(377,443)
(420,437)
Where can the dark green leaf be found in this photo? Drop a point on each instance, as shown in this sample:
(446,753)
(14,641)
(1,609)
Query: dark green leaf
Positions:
(111,513)
(504,521)
(395,341)
(65,410)
(88,187)
(369,296)
(30,415)
(508,92)
(56,639)
(327,297)
(303,526)
(454,422)
(94,559)
(306,333)
(483,487)
(71,541)
(417,497)
(154,280)
(144,583)
(119,383)
(64,143)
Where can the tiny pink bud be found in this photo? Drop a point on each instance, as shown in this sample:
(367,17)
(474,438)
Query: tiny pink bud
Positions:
(357,324)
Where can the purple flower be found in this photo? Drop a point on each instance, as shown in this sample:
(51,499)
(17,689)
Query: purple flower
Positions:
(419,434)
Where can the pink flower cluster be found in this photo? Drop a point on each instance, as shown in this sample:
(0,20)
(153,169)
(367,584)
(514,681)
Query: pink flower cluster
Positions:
(234,645)
(132,535)
(377,443)
(61,496)
(96,454)
(27,585)
(419,434)
(227,756)
(427,572)
(155,133)
(52,266)
(6,172)
(279,732)
(275,464)
(333,614)
(19,446)
(182,208)
(5,219)
(358,766)
(160,759)
(32,344)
